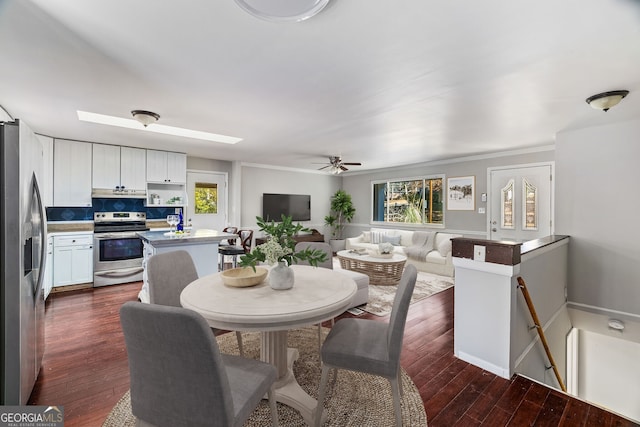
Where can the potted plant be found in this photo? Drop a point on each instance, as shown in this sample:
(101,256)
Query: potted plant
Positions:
(280,249)
(342,212)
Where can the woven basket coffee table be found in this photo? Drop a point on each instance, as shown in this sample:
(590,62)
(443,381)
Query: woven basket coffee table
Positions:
(381,271)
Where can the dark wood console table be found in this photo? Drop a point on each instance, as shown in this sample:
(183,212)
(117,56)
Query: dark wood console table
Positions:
(315,236)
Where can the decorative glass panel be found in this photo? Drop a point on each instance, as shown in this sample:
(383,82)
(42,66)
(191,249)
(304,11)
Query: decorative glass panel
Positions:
(530,208)
(206,198)
(507,198)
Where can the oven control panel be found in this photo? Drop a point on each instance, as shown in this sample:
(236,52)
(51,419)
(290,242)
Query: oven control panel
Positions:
(119,216)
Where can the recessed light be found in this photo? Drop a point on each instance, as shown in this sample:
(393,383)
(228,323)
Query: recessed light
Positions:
(104,119)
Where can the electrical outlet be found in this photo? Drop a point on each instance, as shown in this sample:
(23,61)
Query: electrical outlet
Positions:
(479,252)
(482,210)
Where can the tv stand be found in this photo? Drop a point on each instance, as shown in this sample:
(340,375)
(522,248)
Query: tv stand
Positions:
(315,236)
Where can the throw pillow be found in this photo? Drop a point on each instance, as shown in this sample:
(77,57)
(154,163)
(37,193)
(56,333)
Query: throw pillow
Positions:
(394,240)
(376,236)
(366,237)
(444,247)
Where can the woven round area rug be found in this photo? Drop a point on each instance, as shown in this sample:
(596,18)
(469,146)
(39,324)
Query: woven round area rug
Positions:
(353,399)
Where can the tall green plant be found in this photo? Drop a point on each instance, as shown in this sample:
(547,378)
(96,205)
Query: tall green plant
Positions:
(342,212)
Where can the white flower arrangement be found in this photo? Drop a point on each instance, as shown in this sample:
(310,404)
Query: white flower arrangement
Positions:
(385,248)
(273,251)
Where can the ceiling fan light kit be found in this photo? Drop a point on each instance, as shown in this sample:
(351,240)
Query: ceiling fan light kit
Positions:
(145,117)
(605,100)
(338,166)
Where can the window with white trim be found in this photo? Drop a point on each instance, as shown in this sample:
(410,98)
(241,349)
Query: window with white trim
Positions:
(409,201)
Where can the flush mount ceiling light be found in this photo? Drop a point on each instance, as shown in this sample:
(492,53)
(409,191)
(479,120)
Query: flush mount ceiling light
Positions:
(616,324)
(282,10)
(145,117)
(146,121)
(605,100)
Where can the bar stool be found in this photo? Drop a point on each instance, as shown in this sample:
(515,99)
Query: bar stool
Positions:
(246,237)
(226,243)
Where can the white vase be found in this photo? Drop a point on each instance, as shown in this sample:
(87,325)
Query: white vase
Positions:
(281,276)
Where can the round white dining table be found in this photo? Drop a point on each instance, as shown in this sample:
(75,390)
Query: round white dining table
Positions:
(318,294)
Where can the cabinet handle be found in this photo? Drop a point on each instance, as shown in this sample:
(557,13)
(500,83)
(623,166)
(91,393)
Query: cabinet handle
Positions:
(73,241)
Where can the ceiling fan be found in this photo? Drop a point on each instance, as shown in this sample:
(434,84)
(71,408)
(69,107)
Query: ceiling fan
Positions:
(337,165)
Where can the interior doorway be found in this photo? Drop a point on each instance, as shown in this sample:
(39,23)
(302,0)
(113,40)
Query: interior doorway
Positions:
(207,206)
(520,204)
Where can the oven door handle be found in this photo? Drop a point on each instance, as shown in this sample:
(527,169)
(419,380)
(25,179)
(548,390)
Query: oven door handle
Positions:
(119,273)
(124,234)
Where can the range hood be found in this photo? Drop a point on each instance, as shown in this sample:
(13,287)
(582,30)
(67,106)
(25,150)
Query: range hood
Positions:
(118,193)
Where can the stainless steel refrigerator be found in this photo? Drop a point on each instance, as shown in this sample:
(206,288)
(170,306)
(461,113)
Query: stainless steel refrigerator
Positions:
(23,237)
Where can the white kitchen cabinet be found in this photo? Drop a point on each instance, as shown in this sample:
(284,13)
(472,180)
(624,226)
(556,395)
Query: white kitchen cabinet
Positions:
(133,168)
(72,173)
(164,166)
(72,259)
(115,166)
(47,154)
(106,166)
(48,268)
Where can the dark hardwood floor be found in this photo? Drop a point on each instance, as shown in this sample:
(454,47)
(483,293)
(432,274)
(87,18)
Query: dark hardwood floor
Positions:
(85,368)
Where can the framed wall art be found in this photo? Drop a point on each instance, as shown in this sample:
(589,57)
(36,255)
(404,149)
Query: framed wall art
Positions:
(461,193)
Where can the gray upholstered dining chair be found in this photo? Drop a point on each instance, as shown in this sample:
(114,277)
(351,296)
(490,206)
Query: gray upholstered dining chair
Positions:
(361,279)
(180,378)
(168,274)
(370,346)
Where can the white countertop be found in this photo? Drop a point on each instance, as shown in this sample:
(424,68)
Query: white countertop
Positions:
(163,238)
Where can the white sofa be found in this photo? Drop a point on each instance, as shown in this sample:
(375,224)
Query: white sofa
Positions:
(438,258)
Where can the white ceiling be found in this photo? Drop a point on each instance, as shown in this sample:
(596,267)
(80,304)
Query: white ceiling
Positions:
(380,82)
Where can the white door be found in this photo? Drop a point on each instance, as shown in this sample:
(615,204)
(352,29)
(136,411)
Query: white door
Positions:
(207,195)
(520,202)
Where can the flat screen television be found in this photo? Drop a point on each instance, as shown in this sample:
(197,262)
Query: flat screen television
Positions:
(297,206)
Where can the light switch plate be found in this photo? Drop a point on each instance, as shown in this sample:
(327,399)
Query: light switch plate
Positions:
(479,252)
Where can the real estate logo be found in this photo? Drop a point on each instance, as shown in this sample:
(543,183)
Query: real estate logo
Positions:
(31,416)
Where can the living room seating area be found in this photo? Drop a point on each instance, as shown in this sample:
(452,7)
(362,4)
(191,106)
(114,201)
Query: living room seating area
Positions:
(429,251)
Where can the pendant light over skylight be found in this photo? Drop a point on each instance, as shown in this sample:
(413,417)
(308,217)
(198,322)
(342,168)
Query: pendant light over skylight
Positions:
(147,121)
(145,117)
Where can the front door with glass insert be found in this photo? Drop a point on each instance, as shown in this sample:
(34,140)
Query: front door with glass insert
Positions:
(521,202)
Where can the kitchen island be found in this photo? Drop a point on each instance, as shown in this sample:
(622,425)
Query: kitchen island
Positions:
(201,244)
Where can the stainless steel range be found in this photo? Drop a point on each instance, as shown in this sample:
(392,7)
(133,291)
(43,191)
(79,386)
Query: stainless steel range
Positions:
(117,254)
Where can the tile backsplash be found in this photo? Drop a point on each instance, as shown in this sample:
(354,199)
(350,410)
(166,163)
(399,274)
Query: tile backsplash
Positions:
(108,205)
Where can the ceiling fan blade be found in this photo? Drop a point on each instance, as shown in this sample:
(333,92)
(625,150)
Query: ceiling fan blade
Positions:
(352,164)
(324,167)
(343,168)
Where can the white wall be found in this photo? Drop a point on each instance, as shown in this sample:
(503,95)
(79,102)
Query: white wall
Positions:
(258,180)
(598,205)
(545,273)
(609,373)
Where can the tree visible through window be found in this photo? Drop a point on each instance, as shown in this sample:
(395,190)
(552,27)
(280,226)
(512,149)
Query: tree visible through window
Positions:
(206,198)
(412,201)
